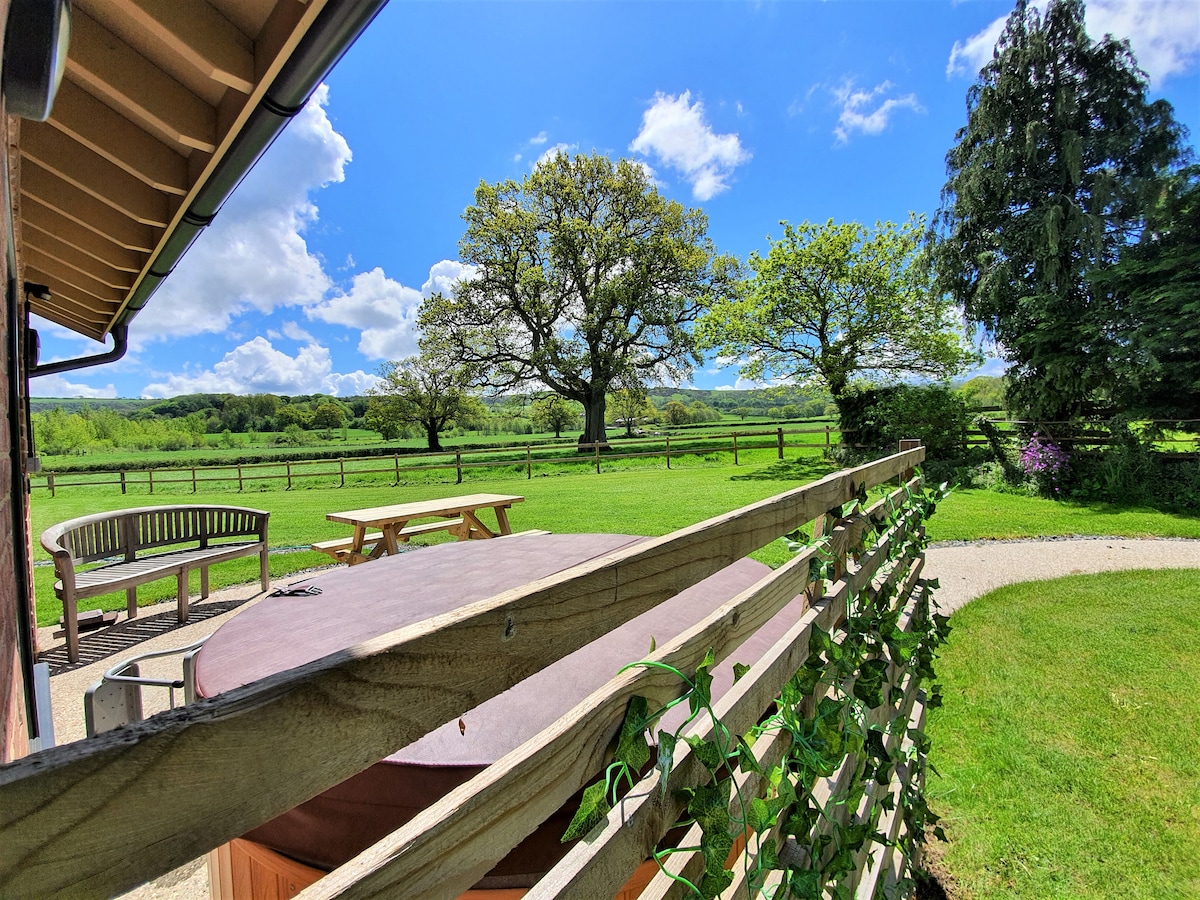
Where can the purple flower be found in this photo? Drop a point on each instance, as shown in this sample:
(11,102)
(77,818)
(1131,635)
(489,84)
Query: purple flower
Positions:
(1045,461)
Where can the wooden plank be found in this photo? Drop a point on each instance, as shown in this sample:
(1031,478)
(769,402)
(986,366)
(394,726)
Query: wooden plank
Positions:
(105,131)
(37,217)
(197,34)
(93,174)
(472,828)
(56,275)
(46,187)
(62,253)
(110,69)
(327,720)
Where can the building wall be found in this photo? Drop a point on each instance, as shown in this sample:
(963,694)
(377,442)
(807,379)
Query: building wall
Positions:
(13,726)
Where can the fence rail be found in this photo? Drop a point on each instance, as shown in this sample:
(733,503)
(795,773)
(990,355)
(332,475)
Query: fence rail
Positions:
(104,815)
(288,473)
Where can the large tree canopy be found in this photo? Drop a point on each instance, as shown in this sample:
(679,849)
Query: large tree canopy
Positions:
(839,300)
(423,391)
(1049,179)
(584,276)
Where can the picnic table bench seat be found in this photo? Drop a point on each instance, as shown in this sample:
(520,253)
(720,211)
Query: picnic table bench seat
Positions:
(145,544)
(340,548)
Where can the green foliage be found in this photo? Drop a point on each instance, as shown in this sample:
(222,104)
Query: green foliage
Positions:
(852,672)
(834,301)
(585,277)
(425,391)
(880,417)
(983,391)
(1050,178)
(1155,286)
(554,413)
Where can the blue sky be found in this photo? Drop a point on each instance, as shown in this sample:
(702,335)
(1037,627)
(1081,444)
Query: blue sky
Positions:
(753,111)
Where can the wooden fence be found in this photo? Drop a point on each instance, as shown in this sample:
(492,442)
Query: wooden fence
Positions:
(288,473)
(101,816)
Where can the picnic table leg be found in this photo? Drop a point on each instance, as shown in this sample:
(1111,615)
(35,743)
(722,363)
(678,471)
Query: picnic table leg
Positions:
(131,602)
(389,540)
(473,529)
(355,554)
(502,519)
(204,582)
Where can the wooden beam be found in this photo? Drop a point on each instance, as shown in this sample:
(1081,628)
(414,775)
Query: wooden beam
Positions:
(200,35)
(37,218)
(95,175)
(65,318)
(102,815)
(74,302)
(73,277)
(105,131)
(124,79)
(48,188)
(61,252)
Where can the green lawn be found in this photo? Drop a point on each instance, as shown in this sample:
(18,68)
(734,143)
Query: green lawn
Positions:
(1067,745)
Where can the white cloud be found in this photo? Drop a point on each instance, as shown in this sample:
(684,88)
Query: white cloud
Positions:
(539,138)
(294,332)
(384,310)
(674,130)
(58,386)
(868,112)
(1164,34)
(257,367)
(253,256)
(550,152)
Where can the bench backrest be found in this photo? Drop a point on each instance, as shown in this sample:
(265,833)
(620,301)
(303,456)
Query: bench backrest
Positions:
(122,533)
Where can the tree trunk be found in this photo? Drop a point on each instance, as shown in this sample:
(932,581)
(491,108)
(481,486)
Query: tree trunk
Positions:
(593,423)
(431,435)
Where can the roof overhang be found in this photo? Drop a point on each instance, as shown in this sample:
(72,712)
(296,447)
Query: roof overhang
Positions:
(164,107)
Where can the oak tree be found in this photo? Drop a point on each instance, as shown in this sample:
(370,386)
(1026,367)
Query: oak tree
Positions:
(425,391)
(584,276)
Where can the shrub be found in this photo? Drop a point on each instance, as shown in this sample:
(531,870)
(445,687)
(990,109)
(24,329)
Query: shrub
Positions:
(880,417)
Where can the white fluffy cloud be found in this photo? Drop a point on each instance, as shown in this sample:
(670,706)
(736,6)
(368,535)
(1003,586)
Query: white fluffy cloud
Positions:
(57,386)
(550,152)
(257,367)
(674,131)
(253,256)
(384,310)
(1164,34)
(868,112)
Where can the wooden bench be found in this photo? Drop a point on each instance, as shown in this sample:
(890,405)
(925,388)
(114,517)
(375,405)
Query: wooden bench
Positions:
(341,548)
(148,543)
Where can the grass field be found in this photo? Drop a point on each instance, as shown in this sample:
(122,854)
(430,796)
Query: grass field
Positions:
(647,499)
(1067,745)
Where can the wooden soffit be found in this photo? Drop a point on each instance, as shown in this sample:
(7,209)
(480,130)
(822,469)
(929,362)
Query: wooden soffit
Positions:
(155,92)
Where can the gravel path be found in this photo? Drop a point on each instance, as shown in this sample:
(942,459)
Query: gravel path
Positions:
(964,570)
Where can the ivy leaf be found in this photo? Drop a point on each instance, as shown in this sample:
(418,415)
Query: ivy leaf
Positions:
(768,854)
(707,752)
(593,808)
(738,671)
(632,747)
(758,815)
(666,757)
(713,883)
(709,806)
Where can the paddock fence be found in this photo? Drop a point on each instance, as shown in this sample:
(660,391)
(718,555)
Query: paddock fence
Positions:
(101,816)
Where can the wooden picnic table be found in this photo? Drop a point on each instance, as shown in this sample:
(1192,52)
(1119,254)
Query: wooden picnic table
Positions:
(457,515)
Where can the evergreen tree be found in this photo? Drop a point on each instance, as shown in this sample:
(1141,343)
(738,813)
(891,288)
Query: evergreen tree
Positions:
(1051,176)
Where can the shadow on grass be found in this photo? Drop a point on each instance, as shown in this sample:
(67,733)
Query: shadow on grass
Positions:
(808,468)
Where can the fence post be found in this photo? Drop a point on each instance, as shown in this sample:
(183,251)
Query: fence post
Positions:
(240,485)
(342,470)
(122,480)
(458,465)
(668,451)
(779,436)
(735,455)
(528,462)
(597,457)
(50,482)
(193,479)
(826,437)
(289,473)
(908,444)
(396,456)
